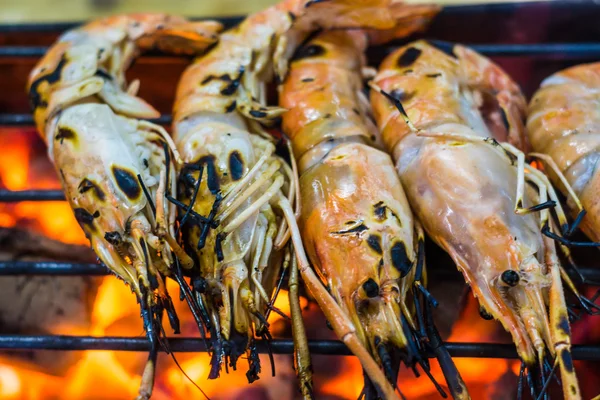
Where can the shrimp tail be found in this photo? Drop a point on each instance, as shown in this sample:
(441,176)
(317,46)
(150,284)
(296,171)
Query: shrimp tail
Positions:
(407,19)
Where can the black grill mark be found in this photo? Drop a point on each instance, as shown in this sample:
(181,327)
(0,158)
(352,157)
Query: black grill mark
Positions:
(292,16)
(374,242)
(408,57)
(311,2)
(504,119)
(401,95)
(447,48)
(567,360)
(85,219)
(35,99)
(433,75)
(224,78)
(113,238)
(127,182)
(231,107)
(65,133)
(103,74)
(563,325)
(357,229)
(379,210)
(308,79)
(485,314)
(371,288)
(400,259)
(87,184)
(233,85)
(313,50)
(258,113)
(355,110)
(236,166)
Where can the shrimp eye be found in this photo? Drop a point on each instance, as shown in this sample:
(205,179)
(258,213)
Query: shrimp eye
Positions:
(510,277)
(371,288)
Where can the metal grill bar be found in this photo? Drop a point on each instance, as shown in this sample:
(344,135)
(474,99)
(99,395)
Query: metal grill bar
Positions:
(51,268)
(551,50)
(8,196)
(27,119)
(69,269)
(278,346)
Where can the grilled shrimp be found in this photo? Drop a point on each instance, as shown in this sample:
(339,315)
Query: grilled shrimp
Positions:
(562,125)
(446,114)
(113,166)
(241,194)
(356,222)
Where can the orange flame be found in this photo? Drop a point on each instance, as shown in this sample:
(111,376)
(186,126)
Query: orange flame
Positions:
(24,165)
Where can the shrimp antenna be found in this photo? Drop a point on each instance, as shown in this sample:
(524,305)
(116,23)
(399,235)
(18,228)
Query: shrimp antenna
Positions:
(544,392)
(397,103)
(266,335)
(569,243)
(168,351)
(193,200)
(147,194)
(194,307)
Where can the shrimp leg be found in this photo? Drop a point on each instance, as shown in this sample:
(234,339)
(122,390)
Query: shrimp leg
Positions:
(302,359)
(559,326)
(341,324)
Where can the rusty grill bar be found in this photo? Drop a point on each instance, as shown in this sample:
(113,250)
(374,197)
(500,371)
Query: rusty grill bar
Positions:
(450,18)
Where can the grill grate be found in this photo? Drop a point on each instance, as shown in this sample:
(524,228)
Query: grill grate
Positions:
(493,24)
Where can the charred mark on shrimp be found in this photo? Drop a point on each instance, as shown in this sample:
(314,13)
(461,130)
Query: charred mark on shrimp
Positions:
(567,360)
(504,119)
(312,50)
(447,48)
(103,74)
(85,219)
(409,56)
(400,259)
(401,95)
(483,313)
(35,99)
(374,242)
(357,229)
(563,326)
(379,209)
(127,182)
(113,238)
(87,184)
(258,113)
(231,107)
(65,133)
(233,84)
(236,166)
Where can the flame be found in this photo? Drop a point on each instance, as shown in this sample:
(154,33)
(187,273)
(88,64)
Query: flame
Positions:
(24,165)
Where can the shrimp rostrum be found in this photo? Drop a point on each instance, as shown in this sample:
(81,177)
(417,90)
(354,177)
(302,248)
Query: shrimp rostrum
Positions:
(451,119)
(237,197)
(356,222)
(113,166)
